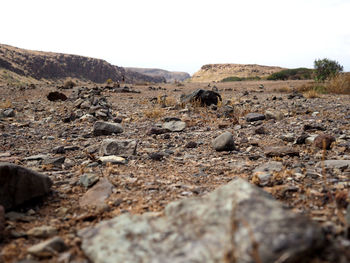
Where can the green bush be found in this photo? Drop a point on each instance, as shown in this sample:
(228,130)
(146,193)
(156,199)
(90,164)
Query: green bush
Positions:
(292,74)
(326,69)
(234,78)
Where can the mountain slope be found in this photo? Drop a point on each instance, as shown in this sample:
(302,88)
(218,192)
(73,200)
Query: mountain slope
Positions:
(217,72)
(170,76)
(54,66)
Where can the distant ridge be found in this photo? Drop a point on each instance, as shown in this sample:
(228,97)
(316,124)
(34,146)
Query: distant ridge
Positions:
(217,72)
(170,76)
(55,66)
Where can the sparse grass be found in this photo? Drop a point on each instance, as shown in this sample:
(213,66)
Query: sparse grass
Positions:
(283,89)
(69,84)
(166,101)
(6,104)
(292,74)
(311,94)
(340,84)
(235,78)
(109,81)
(155,113)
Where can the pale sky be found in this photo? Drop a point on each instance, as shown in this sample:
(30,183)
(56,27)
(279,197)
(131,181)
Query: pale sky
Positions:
(183,35)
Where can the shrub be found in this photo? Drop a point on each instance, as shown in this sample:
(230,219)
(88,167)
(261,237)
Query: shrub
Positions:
(340,84)
(326,69)
(234,78)
(292,74)
(109,81)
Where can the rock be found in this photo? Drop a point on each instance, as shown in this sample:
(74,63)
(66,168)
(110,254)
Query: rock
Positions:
(157,131)
(273,114)
(251,117)
(335,164)
(289,137)
(265,171)
(314,127)
(202,230)
(96,196)
(42,231)
(123,148)
(2,221)
(260,130)
(8,113)
(113,159)
(174,126)
(310,139)
(55,96)
(56,161)
(106,128)
(19,184)
(224,142)
(48,248)
(88,180)
(302,138)
(191,144)
(156,156)
(203,97)
(280,151)
(324,141)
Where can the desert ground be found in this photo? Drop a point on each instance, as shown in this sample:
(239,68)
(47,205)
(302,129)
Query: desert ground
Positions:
(57,139)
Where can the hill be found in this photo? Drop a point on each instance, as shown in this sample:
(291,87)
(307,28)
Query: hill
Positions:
(170,76)
(218,72)
(56,66)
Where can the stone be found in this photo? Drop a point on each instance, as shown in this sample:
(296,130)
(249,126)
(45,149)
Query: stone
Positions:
(202,97)
(280,151)
(274,115)
(289,137)
(122,148)
(55,96)
(42,231)
(174,126)
(224,142)
(260,130)
(335,164)
(157,131)
(55,161)
(8,113)
(48,248)
(191,144)
(265,172)
(112,159)
(228,221)
(324,141)
(251,117)
(96,196)
(310,139)
(19,185)
(302,138)
(106,128)
(88,180)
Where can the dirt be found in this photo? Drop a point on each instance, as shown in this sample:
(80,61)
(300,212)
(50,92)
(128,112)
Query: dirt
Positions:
(148,184)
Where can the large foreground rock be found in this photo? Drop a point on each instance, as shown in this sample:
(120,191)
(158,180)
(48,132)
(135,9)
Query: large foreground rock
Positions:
(19,185)
(229,221)
(106,128)
(203,97)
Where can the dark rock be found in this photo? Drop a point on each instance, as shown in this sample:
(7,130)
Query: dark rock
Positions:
(260,130)
(203,97)
(156,156)
(191,144)
(2,221)
(251,117)
(324,141)
(56,161)
(315,127)
(8,113)
(59,150)
(55,96)
(302,138)
(280,151)
(106,128)
(157,131)
(224,142)
(19,184)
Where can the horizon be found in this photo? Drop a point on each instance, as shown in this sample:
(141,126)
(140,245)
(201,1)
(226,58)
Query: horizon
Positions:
(185,35)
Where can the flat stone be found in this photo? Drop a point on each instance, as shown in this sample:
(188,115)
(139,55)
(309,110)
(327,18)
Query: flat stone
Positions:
(87,180)
(48,248)
(19,184)
(42,231)
(96,196)
(280,151)
(106,128)
(200,230)
(123,148)
(113,159)
(335,164)
(174,126)
(224,142)
(251,117)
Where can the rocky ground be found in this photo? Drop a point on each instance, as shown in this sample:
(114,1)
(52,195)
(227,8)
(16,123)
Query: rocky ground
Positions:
(118,152)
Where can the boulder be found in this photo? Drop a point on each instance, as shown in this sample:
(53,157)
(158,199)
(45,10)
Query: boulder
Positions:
(106,128)
(251,117)
(236,223)
(224,142)
(203,97)
(19,185)
(55,96)
(324,141)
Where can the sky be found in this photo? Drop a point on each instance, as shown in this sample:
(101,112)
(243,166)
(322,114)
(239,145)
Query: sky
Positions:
(183,35)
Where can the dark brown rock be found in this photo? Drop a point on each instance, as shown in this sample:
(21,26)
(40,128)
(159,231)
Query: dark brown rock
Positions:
(280,152)
(324,141)
(19,185)
(55,96)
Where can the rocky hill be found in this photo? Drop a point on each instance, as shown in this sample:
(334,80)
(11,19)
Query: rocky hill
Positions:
(170,76)
(217,72)
(55,66)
